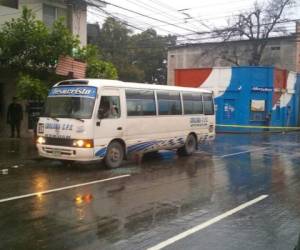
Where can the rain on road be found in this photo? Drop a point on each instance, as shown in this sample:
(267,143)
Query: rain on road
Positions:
(140,206)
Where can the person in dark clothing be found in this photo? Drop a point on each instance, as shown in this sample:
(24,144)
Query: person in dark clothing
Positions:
(14,117)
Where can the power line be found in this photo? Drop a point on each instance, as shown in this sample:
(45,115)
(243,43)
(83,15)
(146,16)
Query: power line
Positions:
(210,18)
(124,22)
(170,9)
(149,7)
(200,33)
(186,38)
(167,23)
(120,20)
(144,15)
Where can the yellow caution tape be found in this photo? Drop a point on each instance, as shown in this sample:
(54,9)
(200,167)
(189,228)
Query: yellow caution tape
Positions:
(247,126)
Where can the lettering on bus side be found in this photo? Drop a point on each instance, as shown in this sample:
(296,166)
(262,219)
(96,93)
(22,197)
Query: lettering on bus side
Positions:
(198,121)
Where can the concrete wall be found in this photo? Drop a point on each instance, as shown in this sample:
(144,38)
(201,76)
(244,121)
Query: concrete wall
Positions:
(281,52)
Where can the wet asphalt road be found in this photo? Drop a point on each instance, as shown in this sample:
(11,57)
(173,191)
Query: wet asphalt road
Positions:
(163,197)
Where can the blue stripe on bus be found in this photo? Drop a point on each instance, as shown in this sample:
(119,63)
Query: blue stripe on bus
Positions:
(137,147)
(101,152)
(143,146)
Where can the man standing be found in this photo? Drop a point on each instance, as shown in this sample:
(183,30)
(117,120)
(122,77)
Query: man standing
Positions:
(14,117)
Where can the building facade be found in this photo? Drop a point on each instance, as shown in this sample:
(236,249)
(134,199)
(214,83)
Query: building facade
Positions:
(281,52)
(74,13)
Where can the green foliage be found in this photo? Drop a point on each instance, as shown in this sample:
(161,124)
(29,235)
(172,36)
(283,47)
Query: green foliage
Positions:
(96,68)
(27,44)
(88,53)
(150,54)
(113,44)
(31,50)
(140,57)
(29,88)
(114,38)
(101,69)
(132,73)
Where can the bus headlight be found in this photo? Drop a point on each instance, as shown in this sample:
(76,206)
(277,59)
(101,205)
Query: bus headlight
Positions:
(83,143)
(41,140)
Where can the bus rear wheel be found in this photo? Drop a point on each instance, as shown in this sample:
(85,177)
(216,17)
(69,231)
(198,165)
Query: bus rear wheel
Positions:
(114,155)
(189,147)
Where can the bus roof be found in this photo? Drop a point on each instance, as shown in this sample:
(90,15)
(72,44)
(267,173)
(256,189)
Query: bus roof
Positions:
(117,83)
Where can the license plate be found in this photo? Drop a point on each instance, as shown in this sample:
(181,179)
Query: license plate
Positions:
(56,153)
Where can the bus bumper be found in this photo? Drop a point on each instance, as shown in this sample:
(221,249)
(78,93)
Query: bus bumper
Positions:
(66,153)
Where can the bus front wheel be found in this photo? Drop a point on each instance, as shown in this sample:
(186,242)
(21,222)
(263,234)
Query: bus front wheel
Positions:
(189,147)
(114,155)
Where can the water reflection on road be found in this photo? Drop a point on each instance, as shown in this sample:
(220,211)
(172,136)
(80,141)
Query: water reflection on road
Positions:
(163,196)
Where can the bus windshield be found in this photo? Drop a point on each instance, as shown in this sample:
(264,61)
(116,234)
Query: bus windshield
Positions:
(69,107)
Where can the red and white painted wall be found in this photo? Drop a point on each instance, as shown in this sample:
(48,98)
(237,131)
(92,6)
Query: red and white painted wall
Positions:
(248,97)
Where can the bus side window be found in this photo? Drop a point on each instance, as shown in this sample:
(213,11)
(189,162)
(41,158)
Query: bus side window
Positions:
(192,103)
(208,105)
(169,103)
(140,102)
(109,107)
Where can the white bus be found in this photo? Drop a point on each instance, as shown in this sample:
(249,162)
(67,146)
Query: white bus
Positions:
(93,119)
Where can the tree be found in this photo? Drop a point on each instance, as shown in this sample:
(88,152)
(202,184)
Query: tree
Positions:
(113,42)
(26,44)
(31,50)
(257,26)
(96,68)
(150,53)
(30,88)
(139,57)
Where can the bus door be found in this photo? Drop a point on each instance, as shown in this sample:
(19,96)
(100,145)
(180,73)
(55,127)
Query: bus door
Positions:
(109,122)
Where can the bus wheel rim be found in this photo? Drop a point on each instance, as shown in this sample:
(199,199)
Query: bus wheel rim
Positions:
(114,154)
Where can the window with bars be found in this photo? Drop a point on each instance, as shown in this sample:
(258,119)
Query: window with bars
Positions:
(52,13)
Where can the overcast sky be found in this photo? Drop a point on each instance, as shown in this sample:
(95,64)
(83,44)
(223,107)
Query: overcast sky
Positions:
(179,17)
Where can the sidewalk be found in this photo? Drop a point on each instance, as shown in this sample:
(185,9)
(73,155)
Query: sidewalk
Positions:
(17,149)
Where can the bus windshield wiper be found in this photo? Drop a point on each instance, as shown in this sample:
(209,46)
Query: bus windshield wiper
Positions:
(78,119)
